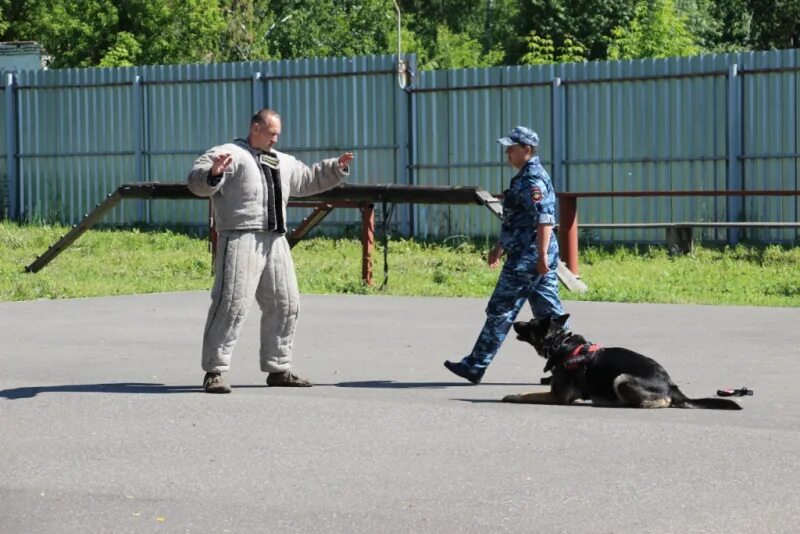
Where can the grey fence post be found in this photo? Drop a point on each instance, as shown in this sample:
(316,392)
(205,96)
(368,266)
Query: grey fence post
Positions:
(12,178)
(258,93)
(411,118)
(556,116)
(401,173)
(137,127)
(734,204)
(144,205)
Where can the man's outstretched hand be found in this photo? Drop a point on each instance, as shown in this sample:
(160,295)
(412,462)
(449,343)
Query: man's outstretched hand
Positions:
(345,159)
(220,163)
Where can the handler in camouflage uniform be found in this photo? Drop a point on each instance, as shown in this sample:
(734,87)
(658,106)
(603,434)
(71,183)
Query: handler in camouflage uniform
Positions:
(531,251)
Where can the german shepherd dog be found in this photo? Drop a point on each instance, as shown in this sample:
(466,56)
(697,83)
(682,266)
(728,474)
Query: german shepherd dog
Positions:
(608,376)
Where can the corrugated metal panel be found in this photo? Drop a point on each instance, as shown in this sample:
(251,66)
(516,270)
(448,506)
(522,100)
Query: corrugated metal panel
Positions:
(74,142)
(636,128)
(589,139)
(698,120)
(473,125)
(182,120)
(457,128)
(525,105)
(329,106)
(78,128)
(770,140)
(3,153)
(633,125)
(432,151)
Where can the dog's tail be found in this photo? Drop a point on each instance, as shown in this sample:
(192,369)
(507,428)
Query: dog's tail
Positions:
(679,400)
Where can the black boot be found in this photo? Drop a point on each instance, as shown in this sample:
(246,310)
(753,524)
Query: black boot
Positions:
(215,383)
(464,371)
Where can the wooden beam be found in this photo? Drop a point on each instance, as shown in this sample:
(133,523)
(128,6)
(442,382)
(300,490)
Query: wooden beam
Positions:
(309,223)
(76,231)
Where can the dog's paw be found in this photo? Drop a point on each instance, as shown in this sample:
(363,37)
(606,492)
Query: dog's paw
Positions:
(512,398)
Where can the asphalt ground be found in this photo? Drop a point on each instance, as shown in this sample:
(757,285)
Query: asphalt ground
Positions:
(104,427)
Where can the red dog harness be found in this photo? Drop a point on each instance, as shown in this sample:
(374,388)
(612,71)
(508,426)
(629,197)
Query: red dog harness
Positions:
(580,356)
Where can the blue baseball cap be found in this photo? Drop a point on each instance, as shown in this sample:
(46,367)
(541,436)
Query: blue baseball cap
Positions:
(520,135)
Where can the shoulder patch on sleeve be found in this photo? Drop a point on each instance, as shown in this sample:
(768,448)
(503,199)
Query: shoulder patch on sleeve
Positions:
(536,193)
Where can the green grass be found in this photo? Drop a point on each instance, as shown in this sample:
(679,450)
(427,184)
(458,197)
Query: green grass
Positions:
(119,262)
(100,263)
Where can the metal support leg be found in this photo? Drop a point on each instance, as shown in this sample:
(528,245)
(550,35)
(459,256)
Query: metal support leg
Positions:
(367,241)
(568,231)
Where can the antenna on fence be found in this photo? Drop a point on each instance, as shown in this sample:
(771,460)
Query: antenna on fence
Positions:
(402,66)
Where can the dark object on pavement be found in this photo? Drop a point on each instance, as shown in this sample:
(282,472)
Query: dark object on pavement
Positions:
(730,392)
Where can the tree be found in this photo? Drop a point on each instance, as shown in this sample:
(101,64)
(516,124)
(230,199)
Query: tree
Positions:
(85,33)
(330,28)
(459,50)
(586,23)
(247,22)
(443,33)
(735,22)
(658,29)
(123,52)
(775,24)
(172,31)
(542,50)
(440,26)
(3,22)
(698,16)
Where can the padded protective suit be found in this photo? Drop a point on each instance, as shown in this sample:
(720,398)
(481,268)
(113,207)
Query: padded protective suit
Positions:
(253,260)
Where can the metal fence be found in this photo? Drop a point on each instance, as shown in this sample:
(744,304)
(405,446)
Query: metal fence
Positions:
(83,132)
(701,123)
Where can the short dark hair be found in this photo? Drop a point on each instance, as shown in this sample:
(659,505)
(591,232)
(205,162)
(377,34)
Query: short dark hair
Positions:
(263,115)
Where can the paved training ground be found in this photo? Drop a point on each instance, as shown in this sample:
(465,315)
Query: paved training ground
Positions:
(103,427)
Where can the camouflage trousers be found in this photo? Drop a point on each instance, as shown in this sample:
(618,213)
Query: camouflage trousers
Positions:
(519,282)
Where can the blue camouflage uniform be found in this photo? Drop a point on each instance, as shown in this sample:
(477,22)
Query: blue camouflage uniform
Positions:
(529,201)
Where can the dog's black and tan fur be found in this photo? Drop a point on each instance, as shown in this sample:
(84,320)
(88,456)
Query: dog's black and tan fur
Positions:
(608,376)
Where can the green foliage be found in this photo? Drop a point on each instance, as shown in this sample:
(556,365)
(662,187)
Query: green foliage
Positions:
(246,24)
(734,25)
(587,23)
(100,263)
(330,28)
(542,50)
(443,33)
(744,275)
(3,22)
(88,33)
(123,52)
(459,50)
(658,29)
(130,261)
(700,22)
(775,23)
(411,44)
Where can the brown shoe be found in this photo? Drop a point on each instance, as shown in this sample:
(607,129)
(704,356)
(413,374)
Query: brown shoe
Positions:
(214,383)
(287,379)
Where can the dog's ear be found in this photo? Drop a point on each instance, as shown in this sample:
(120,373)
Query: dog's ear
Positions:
(562,320)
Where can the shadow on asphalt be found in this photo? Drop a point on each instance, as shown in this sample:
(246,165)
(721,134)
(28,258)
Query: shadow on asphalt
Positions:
(163,389)
(115,387)
(499,401)
(391,384)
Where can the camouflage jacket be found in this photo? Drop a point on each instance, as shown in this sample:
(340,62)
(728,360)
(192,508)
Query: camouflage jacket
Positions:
(529,201)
